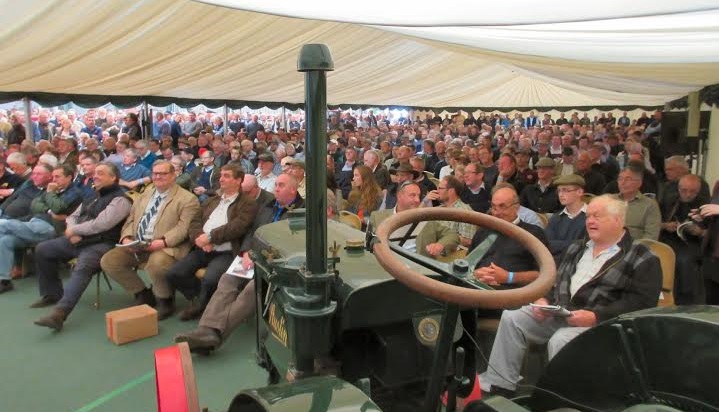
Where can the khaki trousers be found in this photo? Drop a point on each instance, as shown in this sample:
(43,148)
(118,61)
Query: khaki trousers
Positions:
(231,304)
(121,265)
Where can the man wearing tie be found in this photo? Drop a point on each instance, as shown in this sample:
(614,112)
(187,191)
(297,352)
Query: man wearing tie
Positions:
(160,218)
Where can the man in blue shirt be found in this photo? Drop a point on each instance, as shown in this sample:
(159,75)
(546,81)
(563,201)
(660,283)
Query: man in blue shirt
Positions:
(132,174)
(92,129)
(145,155)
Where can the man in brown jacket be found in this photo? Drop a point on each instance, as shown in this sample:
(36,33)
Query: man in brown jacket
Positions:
(160,219)
(217,231)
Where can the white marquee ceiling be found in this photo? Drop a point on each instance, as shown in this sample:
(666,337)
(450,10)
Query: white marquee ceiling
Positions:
(402,53)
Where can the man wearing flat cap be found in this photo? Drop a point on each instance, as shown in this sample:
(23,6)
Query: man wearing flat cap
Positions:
(297,170)
(265,176)
(565,166)
(568,225)
(541,196)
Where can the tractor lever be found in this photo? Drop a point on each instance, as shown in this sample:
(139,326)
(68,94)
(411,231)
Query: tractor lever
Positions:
(456,381)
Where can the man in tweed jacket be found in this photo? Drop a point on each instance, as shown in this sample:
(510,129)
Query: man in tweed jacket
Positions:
(597,280)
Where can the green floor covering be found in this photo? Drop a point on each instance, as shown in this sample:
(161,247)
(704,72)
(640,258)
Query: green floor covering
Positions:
(79,370)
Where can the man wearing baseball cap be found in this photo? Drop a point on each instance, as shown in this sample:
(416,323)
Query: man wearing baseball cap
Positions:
(568,225)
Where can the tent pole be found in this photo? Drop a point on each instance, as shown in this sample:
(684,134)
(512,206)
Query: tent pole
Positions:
(28,119)
(227,117)
(147,121)
(284,119)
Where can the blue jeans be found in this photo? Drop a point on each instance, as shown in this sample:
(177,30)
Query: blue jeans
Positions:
(15,234)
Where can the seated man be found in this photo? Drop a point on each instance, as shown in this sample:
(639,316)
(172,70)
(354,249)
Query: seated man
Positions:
(205,179)
(542,195)
(265,177)
(598,280)
(218,234)
(688,285)
(92,230)
(84,181)
(643,218)
(476,193)
(430,239)
(402,174)
(182,178)
(568,225)
(9,182)
(29,214)
(448,194)
(506,262)
(234,299)
(161,218)
(132,174)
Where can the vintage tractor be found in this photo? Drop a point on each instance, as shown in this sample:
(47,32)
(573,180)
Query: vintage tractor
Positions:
(348,323)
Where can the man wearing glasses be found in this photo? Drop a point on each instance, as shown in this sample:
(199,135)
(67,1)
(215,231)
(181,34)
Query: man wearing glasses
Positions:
(568,225)
(476,193)
(643,220)
(158,227)
(506,262)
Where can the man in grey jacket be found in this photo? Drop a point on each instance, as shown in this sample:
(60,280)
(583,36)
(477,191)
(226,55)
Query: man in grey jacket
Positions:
(92,229)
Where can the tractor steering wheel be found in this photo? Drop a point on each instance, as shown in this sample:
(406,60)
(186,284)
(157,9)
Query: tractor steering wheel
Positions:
(465,297)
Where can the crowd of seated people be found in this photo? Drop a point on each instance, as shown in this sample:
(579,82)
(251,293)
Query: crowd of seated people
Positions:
(191,195)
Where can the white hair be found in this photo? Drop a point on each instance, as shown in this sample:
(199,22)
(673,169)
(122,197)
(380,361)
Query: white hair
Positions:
(614,206)
(48,159)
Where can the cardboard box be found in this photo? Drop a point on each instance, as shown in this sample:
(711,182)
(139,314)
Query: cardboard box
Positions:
(131,324)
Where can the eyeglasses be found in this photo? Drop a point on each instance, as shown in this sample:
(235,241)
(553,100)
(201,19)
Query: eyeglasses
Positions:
(160,173)
(627,179)
(566,190)
(501,207)
(442,188)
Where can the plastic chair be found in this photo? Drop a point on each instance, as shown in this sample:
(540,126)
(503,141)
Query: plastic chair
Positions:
(667,258)
(351,219)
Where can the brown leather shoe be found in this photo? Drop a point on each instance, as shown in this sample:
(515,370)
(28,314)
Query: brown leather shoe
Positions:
(194,311)
(200,340)
(44,302)
(54,320)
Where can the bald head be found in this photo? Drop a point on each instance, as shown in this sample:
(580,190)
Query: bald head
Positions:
(250,186)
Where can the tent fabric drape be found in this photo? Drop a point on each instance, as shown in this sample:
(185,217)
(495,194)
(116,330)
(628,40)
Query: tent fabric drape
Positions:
(186,51)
